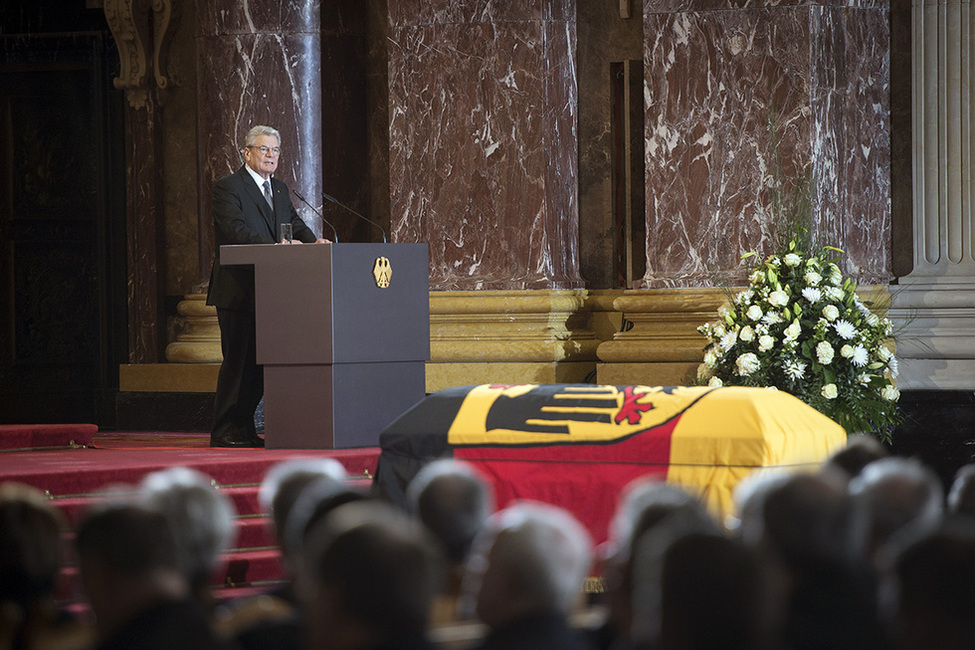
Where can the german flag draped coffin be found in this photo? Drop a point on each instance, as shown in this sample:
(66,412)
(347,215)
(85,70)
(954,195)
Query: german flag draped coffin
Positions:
(578,445)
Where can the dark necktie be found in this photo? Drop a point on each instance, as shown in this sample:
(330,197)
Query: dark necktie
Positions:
(267,194)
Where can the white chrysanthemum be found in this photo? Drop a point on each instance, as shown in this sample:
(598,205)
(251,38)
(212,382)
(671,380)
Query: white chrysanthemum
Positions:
(778,298)
(728,341)
(834,293)
(754,313)
(812,278)
(772,318)
(890,393)
(794,369)
(824,353)
(747,334)
(744,297)
(812,294)
(864,379)
(793,331)
(711,358)
(830,312)
(892,365)
(765,343)
(859,357)
(846,351)
(845,329)
(829,391)
(704,372)
(792,259)
(715,382)
(747,363)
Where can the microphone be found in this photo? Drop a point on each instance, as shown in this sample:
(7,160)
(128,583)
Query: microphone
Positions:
(334,200)
(334,234)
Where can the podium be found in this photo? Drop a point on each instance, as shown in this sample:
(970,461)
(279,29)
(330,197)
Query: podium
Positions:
(343,346)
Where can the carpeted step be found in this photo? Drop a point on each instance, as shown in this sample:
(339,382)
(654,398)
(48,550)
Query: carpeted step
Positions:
(249,567)
(38,436)
(253,532)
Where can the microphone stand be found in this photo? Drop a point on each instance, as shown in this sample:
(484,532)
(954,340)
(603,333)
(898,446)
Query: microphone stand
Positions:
(320,216)
(334,200)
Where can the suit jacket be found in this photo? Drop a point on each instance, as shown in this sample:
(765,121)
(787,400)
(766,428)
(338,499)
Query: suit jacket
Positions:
(241,215)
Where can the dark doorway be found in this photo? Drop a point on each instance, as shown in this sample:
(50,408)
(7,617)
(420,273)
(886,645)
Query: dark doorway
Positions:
(62,265)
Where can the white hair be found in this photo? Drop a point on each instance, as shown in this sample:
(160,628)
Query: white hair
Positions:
(895,497)
(638,495)
(201,518)
(280,472)
(258,131)
(543,551)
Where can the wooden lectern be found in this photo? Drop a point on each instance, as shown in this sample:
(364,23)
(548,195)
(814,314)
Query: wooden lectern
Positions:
(343,333)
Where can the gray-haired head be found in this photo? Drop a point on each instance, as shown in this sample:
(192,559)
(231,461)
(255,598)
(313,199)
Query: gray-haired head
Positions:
(202,519)
(894,498)
(530,558)
(643,498)
(453,501)
(284,482)
(258,131)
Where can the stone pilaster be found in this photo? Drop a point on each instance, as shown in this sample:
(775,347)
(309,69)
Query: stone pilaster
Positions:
(934,307)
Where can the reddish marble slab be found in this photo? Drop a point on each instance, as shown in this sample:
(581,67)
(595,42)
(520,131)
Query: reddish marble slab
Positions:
(721,85)
(484,144)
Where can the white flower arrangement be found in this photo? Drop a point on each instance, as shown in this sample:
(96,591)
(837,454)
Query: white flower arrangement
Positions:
(800,327)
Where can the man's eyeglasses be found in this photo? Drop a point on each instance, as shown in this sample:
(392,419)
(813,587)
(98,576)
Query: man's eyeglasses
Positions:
(265,150)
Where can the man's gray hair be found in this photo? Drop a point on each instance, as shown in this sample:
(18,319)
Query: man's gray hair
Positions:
(543,551)
(257,132)
(201,518)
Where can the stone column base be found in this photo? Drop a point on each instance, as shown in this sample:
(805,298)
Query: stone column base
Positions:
(199,338)
(486,337)
(660,344)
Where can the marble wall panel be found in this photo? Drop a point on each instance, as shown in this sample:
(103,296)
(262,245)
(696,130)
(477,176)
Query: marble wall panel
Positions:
(743,101)
(422,12)
(850,137)
(483,149)
(259,63)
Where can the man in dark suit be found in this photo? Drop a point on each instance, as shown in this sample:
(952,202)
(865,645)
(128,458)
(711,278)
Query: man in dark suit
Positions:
(248,208)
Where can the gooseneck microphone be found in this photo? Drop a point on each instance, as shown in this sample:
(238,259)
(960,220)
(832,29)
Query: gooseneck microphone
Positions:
(302,199)
(334,200)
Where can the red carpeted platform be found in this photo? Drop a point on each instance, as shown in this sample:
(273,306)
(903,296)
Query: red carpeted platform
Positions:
(74,476)
(33,436)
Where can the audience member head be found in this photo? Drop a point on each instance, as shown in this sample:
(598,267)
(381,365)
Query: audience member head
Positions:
(284,482)
(128,558)
(371,576)
(893,497)
(961,497)
(749,498)
(643,504)
(30,546)
(861,449)
(806,519)
(453,501)
(530,559)
(314,503)
(649,551)
(712,595)
(929,596)
(201,519)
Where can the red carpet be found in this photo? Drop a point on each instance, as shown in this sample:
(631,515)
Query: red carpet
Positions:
(27,436)
(73,477)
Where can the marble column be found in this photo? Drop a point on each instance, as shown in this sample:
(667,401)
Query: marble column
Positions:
(483,141)
(742,98)
(935,305)
(259,62)
(723,81)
